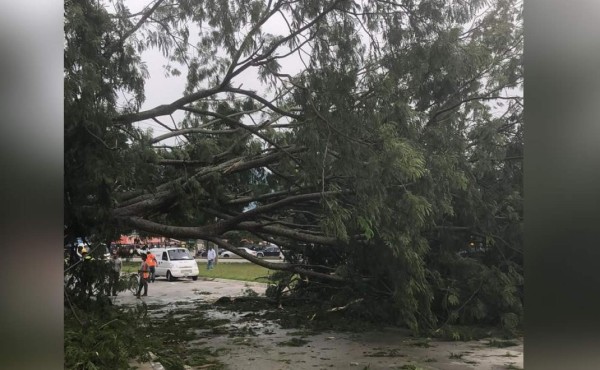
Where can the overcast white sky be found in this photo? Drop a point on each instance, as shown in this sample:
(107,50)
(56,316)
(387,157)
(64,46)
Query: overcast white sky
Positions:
(164,90)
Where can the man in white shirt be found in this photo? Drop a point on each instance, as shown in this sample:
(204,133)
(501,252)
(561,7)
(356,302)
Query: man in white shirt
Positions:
(210,256)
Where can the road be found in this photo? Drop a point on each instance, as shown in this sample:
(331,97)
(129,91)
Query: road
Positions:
(163,292)
(389,348)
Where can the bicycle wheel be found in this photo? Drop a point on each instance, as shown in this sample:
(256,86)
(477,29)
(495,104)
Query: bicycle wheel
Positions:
(132,282)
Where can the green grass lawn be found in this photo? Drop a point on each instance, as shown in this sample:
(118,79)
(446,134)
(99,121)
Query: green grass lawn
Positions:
(234,271)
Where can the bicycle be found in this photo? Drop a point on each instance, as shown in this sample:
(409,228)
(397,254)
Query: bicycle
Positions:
(131,281)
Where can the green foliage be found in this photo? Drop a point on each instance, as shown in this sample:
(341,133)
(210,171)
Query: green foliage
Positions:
(108,338)
(89,278)
(411,367)
(502,343)
(97,67)
(113,337)
(366,226)
(465,332)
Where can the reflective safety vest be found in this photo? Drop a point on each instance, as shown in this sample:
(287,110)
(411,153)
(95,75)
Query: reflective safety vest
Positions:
(144,270)
(151,260)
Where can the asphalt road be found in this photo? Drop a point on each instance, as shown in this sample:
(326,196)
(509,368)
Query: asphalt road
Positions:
(205,289)
(380,349)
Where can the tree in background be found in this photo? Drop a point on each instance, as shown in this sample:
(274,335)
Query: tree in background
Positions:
(394,142)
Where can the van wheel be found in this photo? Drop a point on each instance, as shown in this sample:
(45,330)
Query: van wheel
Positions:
(194,278)
(169,276)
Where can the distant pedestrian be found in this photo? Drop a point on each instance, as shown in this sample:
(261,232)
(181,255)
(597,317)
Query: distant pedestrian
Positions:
(74,256)
(210,257)
(116,264)
(144,272)
(87,273)
(151,260)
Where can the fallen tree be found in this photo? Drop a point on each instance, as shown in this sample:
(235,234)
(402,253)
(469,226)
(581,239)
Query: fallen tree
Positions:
(379,141)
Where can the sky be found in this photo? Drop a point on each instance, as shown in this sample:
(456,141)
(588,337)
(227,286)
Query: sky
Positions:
(164,90)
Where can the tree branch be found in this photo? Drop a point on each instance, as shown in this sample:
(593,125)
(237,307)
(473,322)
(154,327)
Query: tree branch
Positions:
(272,265)
(193,130)
(493,97)
(288,233)
(166,109)
(264,101)
(137,26)
(279,204)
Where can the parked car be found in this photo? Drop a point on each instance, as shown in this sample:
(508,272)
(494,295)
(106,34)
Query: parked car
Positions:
(227,254)
(139,250)
(254,247)
(175,263)
(272,251)
(204,253)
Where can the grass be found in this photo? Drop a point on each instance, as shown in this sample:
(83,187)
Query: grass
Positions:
(234,271)
(237,271)
(129,267)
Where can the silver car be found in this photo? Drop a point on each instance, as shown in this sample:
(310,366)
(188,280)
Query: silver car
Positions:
(227,254)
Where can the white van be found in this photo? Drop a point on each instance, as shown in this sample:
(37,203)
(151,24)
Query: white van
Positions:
(175,263)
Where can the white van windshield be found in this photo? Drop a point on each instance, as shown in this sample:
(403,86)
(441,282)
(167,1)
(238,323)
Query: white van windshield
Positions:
(179,254)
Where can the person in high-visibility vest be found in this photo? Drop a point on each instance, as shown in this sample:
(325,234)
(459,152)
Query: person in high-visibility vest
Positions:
(151,260)
(144,272)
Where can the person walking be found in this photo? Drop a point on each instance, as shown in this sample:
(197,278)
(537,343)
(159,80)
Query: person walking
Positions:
(144,272)
(151,259)
(210,257)
(116,264)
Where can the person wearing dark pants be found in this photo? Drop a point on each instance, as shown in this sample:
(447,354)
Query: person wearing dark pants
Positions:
(115,272)
(211,255)
(87,273)
(151,260)
(144,272)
